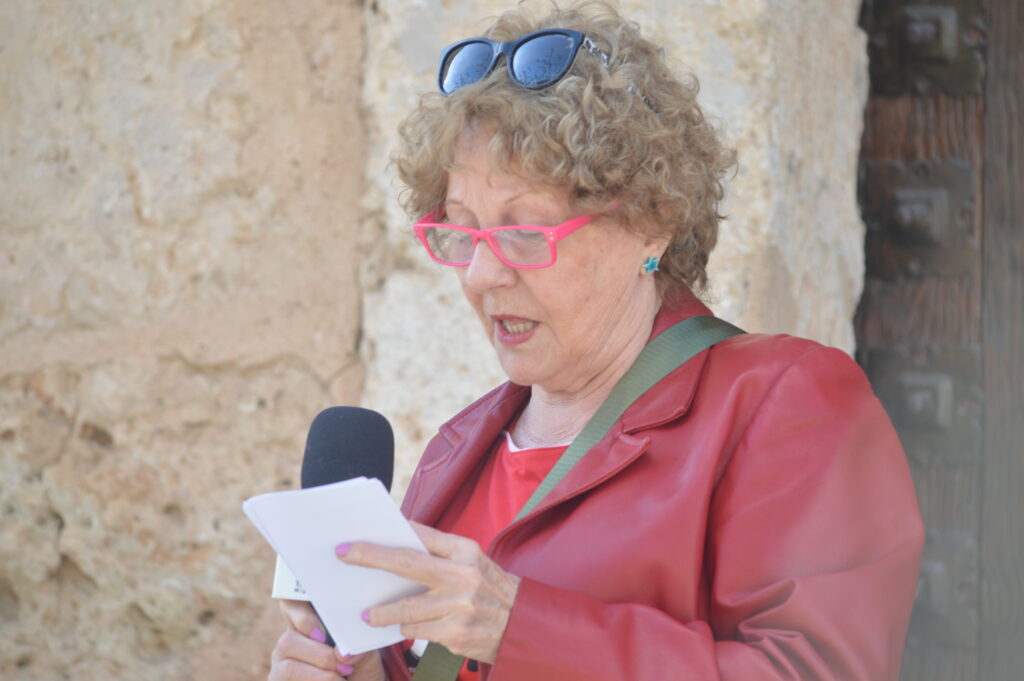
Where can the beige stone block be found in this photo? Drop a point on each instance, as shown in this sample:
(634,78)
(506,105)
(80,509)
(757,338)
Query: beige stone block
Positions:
(179,228)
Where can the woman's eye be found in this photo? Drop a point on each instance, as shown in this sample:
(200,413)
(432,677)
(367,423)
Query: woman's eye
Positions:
(522,235)
(461,221)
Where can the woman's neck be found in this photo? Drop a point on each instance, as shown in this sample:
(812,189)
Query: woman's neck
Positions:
(553,418)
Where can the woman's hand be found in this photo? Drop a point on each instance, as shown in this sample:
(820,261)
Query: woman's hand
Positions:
(470,597)
(302,655)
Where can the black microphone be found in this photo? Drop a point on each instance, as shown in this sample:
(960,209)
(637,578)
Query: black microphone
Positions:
(348,442)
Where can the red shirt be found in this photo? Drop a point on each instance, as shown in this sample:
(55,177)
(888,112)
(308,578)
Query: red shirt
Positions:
(505,483)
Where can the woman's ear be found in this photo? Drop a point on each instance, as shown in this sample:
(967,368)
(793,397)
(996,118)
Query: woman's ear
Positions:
(657,245)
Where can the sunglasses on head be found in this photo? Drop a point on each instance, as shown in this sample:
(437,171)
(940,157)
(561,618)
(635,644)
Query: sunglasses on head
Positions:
(534,61)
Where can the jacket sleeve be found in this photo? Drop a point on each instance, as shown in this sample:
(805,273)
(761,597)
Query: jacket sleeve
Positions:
(813,544)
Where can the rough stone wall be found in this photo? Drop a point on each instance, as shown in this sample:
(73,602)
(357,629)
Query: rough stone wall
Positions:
(786,79)
(179,189)
(181,286)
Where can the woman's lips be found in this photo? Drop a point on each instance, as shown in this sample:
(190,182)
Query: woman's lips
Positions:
(511,331)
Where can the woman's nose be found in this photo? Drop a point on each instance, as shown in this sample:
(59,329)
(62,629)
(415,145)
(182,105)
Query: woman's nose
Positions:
(485,270)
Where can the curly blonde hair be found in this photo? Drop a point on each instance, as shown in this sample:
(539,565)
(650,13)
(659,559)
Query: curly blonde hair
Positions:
(632,133)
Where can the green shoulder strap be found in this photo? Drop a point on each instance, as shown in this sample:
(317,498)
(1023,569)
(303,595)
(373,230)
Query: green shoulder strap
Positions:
(666,353)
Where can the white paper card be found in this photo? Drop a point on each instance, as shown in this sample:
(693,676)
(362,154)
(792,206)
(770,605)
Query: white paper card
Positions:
(286,585)
(303,526)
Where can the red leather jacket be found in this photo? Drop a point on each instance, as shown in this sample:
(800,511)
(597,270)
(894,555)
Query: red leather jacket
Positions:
(750,517)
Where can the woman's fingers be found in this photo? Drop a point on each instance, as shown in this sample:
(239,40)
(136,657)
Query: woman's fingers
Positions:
(422,608)
(408,563)
(364,667)
(294,646)
(302,655)
(299,615)
(469,596)
(446,550)
(441,543)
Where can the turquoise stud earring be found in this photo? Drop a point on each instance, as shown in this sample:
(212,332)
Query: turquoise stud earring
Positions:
(650,265)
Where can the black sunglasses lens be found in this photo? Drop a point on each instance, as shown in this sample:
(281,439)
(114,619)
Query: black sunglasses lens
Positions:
(542,60)
(465,66)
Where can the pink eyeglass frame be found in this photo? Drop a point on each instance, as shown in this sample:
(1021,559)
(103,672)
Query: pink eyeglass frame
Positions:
(553,235)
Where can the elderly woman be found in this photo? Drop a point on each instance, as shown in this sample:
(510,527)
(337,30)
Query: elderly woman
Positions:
(750,516)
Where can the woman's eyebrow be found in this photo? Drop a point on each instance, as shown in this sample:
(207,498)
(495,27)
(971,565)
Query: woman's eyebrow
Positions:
(505,208)
(509,200)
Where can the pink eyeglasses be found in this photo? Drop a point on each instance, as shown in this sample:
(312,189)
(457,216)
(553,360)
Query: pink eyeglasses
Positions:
(526,247)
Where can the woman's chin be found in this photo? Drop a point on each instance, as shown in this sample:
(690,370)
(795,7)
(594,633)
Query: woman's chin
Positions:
(519,368)
(519,376)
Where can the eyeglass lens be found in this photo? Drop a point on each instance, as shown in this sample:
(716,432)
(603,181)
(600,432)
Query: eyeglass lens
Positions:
(543,59)
(465,66)
(518,246)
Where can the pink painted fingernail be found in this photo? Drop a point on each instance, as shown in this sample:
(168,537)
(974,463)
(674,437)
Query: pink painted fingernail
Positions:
(318,636)
(345,669)
(342,549)
(365,614)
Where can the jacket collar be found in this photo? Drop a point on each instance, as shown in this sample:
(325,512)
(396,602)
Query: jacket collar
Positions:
(671,397)
(462,444)
(470,435)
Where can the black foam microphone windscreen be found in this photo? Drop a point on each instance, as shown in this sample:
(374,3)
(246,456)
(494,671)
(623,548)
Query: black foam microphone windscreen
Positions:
(347,442)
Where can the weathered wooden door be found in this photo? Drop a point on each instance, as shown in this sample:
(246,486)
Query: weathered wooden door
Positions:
(940,328)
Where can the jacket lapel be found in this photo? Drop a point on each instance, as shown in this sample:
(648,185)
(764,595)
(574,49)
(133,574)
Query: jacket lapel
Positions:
(453,456)
(667,401)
